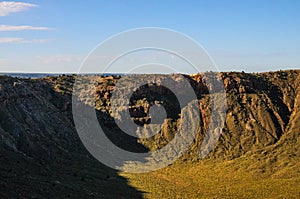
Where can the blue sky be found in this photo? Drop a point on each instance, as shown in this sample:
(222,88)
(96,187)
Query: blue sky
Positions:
(55,36)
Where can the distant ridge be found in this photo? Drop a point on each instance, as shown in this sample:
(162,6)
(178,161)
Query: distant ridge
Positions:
(42,75)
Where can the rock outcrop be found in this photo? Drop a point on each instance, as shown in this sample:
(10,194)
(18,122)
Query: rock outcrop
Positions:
(40,151)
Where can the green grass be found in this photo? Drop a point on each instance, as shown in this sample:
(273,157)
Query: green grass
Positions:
(211,179)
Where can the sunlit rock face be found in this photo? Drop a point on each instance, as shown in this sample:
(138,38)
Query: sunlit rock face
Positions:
(37,128)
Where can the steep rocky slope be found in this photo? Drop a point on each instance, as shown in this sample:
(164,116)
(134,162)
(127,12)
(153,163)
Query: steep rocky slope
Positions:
(42,156)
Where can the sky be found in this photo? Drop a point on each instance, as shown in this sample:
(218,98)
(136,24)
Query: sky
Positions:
(239,35)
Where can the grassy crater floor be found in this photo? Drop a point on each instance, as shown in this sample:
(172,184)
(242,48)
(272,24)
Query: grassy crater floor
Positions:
(228,179)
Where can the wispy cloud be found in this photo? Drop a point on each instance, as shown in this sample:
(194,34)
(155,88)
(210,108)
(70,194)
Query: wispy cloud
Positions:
(10,40)
(4,28)
(55,59)
(21,40)
(7,7)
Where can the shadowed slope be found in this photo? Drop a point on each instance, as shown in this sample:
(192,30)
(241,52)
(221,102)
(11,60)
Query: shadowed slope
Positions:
(40,152)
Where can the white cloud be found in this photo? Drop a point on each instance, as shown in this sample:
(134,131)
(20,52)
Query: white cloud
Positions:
(4,28)
(21,40)
(10,40)
(7,7)
(55,59)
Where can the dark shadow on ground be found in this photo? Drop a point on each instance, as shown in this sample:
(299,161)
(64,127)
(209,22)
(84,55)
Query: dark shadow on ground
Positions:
(41,154)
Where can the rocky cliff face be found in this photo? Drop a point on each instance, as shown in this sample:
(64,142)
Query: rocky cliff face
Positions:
(41,152)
